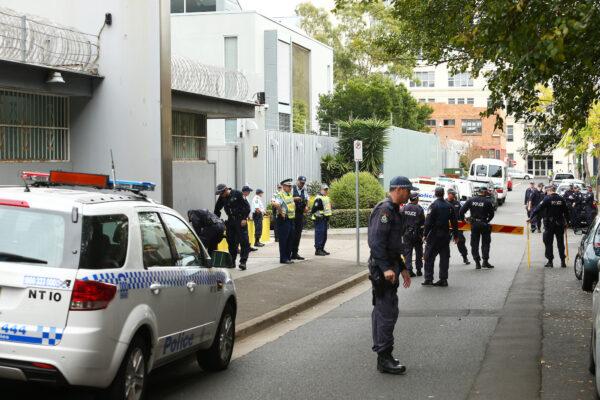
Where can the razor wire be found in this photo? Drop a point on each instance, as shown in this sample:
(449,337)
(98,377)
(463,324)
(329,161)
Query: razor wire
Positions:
(192,76)
(34,40)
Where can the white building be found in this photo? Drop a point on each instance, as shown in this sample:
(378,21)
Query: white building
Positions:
(433,84)
(285,64)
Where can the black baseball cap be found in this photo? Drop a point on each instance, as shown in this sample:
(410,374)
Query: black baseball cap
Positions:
(452,191)
(259,191)
(302,178)
(414,196)
(221,187)
(402,182)
(246,189)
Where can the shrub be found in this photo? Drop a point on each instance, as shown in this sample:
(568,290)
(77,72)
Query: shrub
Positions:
(344,219)
(343,194)
(333,167)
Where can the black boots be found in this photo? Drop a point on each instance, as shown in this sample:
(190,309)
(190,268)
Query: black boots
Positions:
(549,264)
(412,274)
(486,264)
(297,257)
(563,264)
(427,283)
(388,365)
(320,253)
(419,272)
(441,283)
(466,260)
(477,264)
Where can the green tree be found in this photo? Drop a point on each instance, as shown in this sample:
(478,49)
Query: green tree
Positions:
(515,45)
(374,96)
(343,191)
(373,134)
(334,166)
(300,112)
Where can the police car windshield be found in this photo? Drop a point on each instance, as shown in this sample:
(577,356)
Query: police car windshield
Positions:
(30,236)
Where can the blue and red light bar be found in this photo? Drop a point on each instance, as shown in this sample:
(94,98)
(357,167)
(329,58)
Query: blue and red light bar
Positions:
(132,185)
(98,181)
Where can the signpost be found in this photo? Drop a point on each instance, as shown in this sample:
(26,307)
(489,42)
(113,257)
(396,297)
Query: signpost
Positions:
(358,157)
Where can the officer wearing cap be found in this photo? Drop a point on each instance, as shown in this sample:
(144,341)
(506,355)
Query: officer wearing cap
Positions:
(237,210)
(482,212)
(556,214)
(462,248)
(437,235)
(588,204)
(578,209)
(209,228)
(245,239)
(569,197)
(285,206)
(301,199)
(258,213)
(413,235)
(386,227)
(321,212)
(535,199)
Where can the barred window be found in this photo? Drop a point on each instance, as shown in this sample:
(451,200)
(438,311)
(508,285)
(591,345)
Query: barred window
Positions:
(33,127)
(471,126)
(284,122)
(189,136)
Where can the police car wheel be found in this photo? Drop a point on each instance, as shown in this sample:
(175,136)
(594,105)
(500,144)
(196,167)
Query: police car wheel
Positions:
(588,281)
(218,356)
(578,267)
(130,382)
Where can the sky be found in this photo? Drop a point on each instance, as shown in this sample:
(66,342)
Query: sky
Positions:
(280,8)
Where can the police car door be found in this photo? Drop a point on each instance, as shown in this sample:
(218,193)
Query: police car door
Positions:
(200,280)
(166,293)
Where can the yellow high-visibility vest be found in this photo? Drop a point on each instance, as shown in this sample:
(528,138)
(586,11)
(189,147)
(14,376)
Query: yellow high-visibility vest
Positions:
(288,206)
(326,211)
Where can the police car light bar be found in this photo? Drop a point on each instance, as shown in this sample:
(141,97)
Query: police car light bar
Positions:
(78,179)
(34,177)
(132,185)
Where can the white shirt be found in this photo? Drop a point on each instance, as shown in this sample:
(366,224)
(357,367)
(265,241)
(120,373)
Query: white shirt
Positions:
(257,203)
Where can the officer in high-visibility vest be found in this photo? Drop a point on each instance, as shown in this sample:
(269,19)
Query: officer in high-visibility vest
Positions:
(321,212)
(283,203)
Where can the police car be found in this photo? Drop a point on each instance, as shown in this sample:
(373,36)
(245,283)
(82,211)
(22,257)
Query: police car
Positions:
(99,287)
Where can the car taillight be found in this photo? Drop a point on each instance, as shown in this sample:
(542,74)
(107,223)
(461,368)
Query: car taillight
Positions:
(499,190)
(42,365)
(91,295)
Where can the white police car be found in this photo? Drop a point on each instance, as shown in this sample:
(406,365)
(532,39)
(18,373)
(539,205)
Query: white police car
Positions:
(97,288)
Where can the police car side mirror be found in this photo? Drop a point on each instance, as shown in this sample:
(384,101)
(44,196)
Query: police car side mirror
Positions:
(221,259)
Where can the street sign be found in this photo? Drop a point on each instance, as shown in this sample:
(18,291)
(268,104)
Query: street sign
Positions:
(358,147)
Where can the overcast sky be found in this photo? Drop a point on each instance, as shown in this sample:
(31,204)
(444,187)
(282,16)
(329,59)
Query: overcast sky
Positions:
(280,8)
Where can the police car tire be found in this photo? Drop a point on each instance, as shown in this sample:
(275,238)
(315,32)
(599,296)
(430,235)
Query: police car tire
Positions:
(592,364)
(116,391)
(578,274)
(587,281)
(212,359)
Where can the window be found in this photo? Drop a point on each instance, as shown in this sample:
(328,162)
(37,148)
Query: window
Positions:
(509,133)
(33,127)
(177,6)
(460,100)
(421,100)
(510,156)
(189,136)
(449,122)
(231,132)
(460,80)
(186,244)
(451,100)
(431,100)
(471,126)
(200,5)
(284,122)
(156,250)
(481,170)
(104,241)
(470,100)
(423,79)
(495,171)
(430,122)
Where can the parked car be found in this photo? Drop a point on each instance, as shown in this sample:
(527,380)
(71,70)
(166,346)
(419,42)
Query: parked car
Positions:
(516,174)
(566,183)
(558,178)
(585,264)
(493,170)
(594,350)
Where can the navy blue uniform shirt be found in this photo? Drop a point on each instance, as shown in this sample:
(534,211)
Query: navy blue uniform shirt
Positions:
(414,215)
(441,215)
(235,205)
(481,209)
(386,227)
(553,207)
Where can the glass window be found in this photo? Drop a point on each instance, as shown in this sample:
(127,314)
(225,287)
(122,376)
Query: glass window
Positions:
(449,122)
(177,6)
(104,241)
(510,156)
(460,100)
(189,136)
(431,100)
(430,122)
(423,79)
(470,100)
(495,171)
(200,5)
(155,245)
(471,126)
(451,100)
(231,133)
(421,100)
(509,133)
(460,80)
(186,244)
(472,172)
(32,234)
(481,170)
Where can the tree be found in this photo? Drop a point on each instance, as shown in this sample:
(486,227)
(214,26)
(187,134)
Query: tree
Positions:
(357,38)
(373,134)
(586,139)
(300,112)
(374,96)
(334,166)
(343,191)
(516,45)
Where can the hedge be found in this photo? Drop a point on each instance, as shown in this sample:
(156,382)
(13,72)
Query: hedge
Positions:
(341,219)
(343,191)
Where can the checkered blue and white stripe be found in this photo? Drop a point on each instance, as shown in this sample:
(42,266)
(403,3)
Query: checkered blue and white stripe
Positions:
(32,334)
(143,279)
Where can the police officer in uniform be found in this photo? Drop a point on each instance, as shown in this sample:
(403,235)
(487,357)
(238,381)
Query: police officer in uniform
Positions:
(555,221)
(237,209)
(301,199)
(413,236)
(569,197)
(588,204)
(285,207)
(535,199)
(386,227)
(321,212)
(528,193)
(578,208)
(462,248)
(209,228)
(482,212)
(437,236)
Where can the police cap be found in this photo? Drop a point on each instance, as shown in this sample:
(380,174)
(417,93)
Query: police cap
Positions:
(439,191)
(221,187)
(302,178)
(550,187)
(246,189)
(259,191)
(482,189)
(414,196)
(452,191)
(286,182)
(402,182)
(325,186)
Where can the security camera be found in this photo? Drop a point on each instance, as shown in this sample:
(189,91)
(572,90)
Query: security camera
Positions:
(266,106)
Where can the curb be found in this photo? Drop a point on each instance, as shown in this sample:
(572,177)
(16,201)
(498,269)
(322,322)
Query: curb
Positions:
(264,321)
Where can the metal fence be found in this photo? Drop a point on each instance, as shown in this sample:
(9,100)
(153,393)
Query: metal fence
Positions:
(34,40)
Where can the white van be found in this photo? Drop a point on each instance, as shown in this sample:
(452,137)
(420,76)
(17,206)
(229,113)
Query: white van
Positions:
(427,187)
(493,169)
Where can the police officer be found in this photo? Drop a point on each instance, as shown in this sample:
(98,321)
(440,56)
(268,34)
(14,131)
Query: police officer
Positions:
(245,239)
(237,210)
(437,236)
(462,248)
(386,226)
(535,199)
(301,199)
(555,221)
(321,212)
(569,197)
(209,228)
(588,204)
(528,193)
(413,235)
(258,213)
(482,212)
(285,207)
(578,208)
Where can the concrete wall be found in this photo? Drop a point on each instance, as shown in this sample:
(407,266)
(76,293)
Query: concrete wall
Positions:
(411,154)
(124,112)
(224,157)
(193,185)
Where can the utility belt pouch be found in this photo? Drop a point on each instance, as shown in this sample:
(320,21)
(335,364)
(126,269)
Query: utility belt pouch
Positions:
(377,280)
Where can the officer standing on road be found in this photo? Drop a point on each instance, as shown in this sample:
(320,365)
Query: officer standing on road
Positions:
(209,228)
(413,236)
(535,199)
(588,204)
(275,231)
(237,210)
(437,236)
(283,203)
(258,213)
(578,209)
(462,248)
(555,222)
(569,197)
(301,199)
(528,193)
(482,212)
(321,212)
(386,227)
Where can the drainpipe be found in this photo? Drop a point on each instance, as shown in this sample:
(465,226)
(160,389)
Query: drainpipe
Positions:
(235,166)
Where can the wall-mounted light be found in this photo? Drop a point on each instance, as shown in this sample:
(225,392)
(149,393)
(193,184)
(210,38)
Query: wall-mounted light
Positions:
(55,77)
